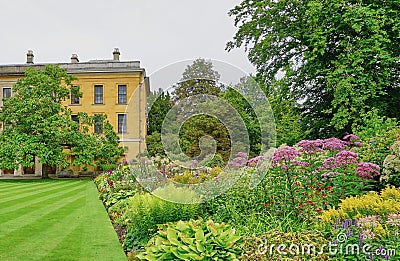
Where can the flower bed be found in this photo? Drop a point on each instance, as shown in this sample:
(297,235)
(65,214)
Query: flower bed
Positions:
(319,188)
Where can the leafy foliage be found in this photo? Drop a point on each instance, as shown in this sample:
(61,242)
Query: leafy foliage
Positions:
(38,125)
(193,240)
(146,211)
(198,78)
(377,133)
(384,203)
(160,105)
(340,58)
(391,165)
(264,247)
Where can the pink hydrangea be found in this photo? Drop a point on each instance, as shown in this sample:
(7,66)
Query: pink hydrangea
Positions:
(367,170)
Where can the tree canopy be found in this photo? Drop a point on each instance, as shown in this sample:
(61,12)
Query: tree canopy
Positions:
(37,124)
(340,58)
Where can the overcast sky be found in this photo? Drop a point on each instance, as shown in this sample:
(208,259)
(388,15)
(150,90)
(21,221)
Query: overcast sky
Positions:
(155,32)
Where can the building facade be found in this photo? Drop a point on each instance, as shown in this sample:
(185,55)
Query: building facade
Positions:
(118,89)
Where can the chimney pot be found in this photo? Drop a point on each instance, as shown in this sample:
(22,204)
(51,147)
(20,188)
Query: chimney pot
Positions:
(74,58)
(116,54)
(29,57)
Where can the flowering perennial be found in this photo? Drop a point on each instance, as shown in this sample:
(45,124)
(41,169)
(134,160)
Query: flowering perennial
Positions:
(367,170)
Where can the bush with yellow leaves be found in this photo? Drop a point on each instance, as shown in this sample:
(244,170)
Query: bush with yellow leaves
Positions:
(382,204)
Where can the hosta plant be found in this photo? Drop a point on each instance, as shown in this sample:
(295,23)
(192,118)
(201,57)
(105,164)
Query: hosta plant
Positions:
(193,240)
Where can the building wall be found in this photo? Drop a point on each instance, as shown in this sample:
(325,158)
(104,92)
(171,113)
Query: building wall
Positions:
(110,74)
(133,139)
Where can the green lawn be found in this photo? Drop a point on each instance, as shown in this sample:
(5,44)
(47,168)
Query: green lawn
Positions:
(55,220)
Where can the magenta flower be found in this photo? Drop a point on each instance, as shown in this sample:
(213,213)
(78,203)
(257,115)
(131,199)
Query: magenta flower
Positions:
(329,163)
(367,170)
(255,161)
(333,144)
(310,146)
(239,161)
(301,163)
(284,154)
(346,157)
(351,138)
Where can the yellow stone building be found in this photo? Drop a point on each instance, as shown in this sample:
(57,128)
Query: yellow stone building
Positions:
(116,88)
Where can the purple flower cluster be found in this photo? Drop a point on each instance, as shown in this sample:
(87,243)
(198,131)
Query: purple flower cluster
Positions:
(327,175)
(311,146)
(329,163)
(367,170)
(284,154)
(255,161)
(346,157)
(301,163)
(352,139)
(333,144)
(239,161)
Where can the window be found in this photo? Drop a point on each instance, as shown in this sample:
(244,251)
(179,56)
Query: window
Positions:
(121,123)
(98,123)
(74,97)
(121,94)
(6,92)
(75,118)
(98,94)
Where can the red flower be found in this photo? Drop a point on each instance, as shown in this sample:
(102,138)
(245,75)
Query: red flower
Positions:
(324,195)
(329,187)
(300,211)
(266,204)
(319,210)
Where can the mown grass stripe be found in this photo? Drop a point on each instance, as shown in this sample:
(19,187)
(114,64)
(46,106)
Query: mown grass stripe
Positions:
(5,207)
(39,186)
(7,186)
(38,215)
(72,243)
(16,191)
(102,238)
(67,219)
(74,226)
(37,193)
(31,205)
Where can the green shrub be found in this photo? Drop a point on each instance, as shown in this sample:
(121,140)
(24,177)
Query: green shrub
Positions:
(383,204)
(193,240)
(377,133)
(146,211)
(391,166)
(265,247)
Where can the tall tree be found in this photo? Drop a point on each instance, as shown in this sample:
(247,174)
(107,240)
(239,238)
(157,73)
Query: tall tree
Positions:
(37,124)
(160,102)
(341,57)
(198,78)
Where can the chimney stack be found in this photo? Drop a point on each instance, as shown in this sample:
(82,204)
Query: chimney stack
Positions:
(116,54)
(74,58)
(29,57)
